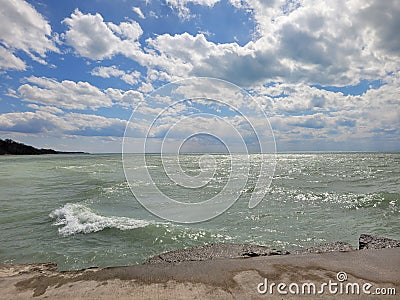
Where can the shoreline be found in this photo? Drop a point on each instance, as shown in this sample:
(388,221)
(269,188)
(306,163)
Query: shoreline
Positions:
(218,277)
(210,279)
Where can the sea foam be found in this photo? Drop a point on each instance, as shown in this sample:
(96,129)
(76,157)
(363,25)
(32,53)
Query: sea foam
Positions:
(78,218)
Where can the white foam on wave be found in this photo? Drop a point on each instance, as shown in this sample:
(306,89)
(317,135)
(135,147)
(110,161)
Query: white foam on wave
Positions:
(119,187)
(77,218)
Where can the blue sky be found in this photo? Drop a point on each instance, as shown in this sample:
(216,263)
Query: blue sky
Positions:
(326,73)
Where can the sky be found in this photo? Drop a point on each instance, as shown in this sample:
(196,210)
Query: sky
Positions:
(326,74)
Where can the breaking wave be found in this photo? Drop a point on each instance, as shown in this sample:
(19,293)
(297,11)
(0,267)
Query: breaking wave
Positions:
(77,218)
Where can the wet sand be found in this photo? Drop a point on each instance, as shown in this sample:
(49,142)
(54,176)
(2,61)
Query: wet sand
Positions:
(231,278)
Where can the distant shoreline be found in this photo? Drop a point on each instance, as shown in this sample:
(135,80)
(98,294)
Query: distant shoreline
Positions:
(10,147)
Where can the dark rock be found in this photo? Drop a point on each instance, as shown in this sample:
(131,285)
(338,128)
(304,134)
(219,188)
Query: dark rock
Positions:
(218,251)
(214,251)
(367,241)
(329,247)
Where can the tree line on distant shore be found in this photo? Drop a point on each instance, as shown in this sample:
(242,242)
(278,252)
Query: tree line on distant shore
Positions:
(10,147)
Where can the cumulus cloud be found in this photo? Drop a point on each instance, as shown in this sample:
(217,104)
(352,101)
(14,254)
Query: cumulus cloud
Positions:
(177,3)
(90,36)
(49,109)
(65,94)
(334,39)
(72,95)
(23,28)
(139,12)
(129,30)
(177,54)
(93,125)
(45,121)
(131,78)
(307,41)
(307,112)
(129,98)
(183,10)
(167,57)
(299,46)
(93,38)
(297,99)
(29,122)
(9,61)
(146,87)
(313,42)
(382,25)
(380,108)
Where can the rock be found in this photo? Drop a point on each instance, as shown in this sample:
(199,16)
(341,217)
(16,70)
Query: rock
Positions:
(367,241)
(329,247)
(223,250)
(214,251)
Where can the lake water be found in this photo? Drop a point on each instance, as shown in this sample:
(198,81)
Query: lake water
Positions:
(78,210)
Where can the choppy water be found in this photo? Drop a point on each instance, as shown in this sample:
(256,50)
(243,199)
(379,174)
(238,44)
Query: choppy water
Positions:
(78,210)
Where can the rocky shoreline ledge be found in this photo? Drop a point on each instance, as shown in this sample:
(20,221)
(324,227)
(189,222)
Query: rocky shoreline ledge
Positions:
(228,250)
(218,271)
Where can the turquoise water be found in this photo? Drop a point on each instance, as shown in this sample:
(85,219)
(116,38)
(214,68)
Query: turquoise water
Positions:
(78,210)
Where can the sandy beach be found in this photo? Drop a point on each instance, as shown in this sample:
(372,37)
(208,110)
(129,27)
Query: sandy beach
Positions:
(210,279)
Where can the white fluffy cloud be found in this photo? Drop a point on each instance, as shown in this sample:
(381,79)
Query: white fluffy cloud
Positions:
(128,30)
(177,54)
(93,125)
(324,42)
(177,3)
(129,98)
(23,28)
(29,122)
(72,95)
(112,71)
(183,10)
(44,121)
(91,37)
(299,43)
(309,113)
(139,12)
(66,94)
(9,61)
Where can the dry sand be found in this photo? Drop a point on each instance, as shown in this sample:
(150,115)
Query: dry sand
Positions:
(210,279)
